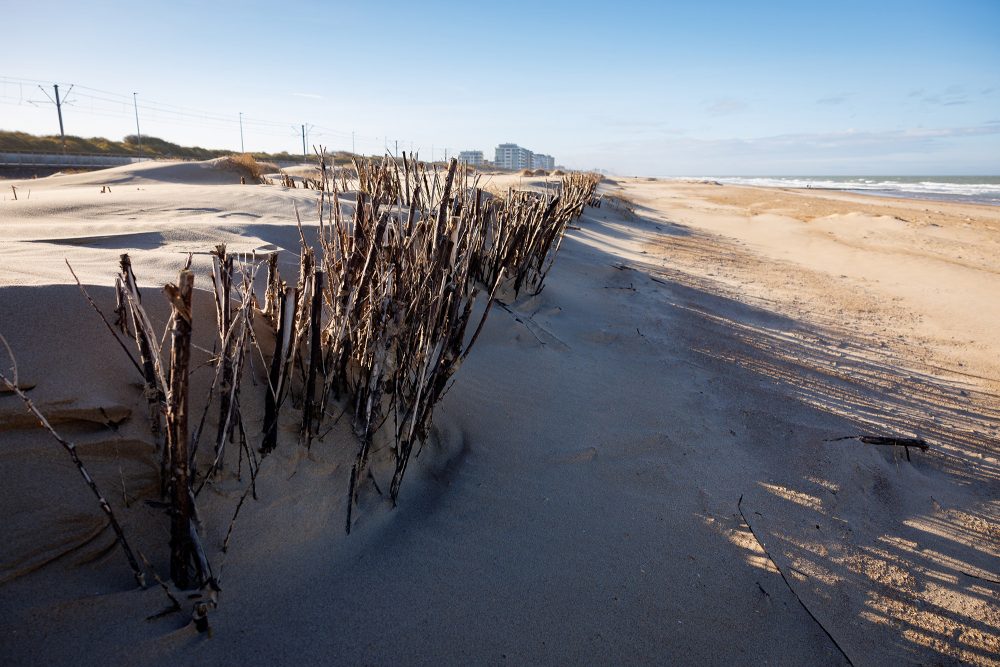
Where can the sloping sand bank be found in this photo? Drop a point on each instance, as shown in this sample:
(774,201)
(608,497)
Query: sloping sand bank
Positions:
(587,494)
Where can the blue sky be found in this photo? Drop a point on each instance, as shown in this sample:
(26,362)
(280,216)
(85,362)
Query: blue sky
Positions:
(669,88)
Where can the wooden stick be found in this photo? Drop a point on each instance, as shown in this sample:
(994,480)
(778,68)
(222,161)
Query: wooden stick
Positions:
(103,318)
(70,448)
(739,508)
(919,443)
(905,443)
(315,357)
(222,277)
(273,282)
(175,605)
(282,343)
(182,551)
(143,339)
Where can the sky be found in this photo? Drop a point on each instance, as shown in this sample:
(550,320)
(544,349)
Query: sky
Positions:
(697,88)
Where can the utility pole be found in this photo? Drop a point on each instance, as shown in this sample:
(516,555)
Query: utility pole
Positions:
(138,134)
(446,154)
(353,151)
(242,150)
(58,102)
(303,143)
(397,149)
(62,133)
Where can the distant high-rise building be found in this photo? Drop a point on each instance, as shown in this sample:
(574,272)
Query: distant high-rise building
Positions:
(473,158)
(512,156)
(542,161)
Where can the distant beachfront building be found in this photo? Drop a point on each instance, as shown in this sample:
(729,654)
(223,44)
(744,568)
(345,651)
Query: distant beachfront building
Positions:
(542,161)
(512,156)
(473,158)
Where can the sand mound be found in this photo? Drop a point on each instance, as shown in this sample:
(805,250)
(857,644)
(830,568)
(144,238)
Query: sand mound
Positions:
(219,171)
(526,172)
(245,165)
(558,172)
(310,171)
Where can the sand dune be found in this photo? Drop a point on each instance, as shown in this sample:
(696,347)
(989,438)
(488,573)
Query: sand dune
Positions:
(633,465)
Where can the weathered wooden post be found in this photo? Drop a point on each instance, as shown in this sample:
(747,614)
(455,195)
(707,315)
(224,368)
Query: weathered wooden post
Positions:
(182,548)
(315,356)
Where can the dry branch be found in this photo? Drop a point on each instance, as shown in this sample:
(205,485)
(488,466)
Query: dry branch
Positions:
(94,305)
(70,448)
(739,508)
(146,342)
(315,357)
(886,441)
(187,563)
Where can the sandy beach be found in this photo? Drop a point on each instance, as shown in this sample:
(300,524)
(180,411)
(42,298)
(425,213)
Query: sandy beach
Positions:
(639,465)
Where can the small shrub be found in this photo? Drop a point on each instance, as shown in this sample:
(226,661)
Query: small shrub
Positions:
(245,165)
(621,202)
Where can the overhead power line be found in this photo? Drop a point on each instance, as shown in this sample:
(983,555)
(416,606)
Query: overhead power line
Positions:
(17,91)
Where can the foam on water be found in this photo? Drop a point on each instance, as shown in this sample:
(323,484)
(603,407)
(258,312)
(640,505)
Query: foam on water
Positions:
(969,189)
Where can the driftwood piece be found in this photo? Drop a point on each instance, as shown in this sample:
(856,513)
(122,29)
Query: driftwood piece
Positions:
(887,441)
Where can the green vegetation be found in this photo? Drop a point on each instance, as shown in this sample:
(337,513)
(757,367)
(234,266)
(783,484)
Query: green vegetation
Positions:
(151,147)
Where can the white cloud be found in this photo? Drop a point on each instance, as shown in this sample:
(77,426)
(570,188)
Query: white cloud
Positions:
(930,150)
(725,106)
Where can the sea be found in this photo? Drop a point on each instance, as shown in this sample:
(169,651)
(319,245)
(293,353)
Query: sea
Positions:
(966,189)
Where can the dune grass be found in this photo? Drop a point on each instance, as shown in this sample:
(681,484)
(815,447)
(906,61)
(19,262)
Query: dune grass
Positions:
(621,202)
(245,165)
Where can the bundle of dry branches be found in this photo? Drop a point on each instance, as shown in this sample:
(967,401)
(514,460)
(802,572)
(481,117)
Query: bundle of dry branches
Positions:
(401,281)
(380,319)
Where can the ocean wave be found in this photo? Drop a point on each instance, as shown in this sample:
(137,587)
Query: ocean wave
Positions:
(960,188)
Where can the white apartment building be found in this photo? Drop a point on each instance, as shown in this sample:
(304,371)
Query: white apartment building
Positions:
(512,156)
(473,158)
(542,161)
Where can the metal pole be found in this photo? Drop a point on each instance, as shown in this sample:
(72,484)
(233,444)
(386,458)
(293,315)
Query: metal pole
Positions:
(353,151)
(59,111)
(242,150)
(138,134)
(303,143)
(397,149)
